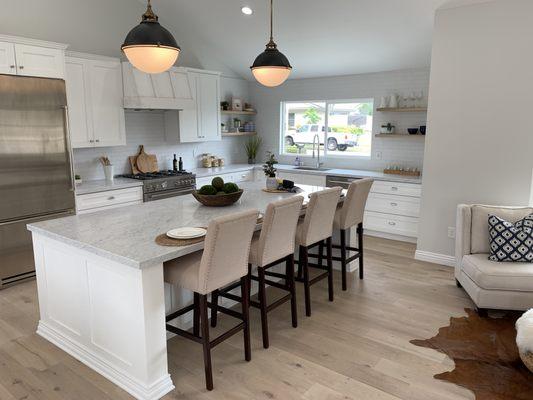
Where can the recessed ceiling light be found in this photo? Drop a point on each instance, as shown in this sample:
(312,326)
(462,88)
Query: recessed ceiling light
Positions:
(247,10)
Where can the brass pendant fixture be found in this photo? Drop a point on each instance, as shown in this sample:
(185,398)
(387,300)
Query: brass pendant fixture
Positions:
(150,47)
(271,68)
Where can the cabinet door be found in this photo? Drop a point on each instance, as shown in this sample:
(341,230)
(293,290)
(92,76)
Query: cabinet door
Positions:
(7,58)
(107,103)
(189,120)
(208,104)
(40,61)
(79,110)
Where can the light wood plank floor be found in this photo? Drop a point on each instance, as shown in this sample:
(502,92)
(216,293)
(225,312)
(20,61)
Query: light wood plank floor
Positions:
(354,348)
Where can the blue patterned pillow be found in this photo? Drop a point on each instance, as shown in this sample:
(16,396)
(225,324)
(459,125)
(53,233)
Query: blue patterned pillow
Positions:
(511,242)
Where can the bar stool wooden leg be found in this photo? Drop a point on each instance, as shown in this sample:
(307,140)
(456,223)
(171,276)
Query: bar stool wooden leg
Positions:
(204,322)
(245,293)
(292,286)
(263,306)
(329,246)
(360,246)
(300,263)
(196,315)
(303,262)
(320,253)
(343,259)
(214,308)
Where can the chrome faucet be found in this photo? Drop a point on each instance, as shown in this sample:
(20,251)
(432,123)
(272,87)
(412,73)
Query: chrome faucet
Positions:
(316,139)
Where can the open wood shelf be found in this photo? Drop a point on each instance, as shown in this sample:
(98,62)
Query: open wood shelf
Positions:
(407,109)
(398,135)
(238,134)
(230,112)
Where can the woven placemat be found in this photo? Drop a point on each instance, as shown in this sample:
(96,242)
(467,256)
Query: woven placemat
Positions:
(296,190)
(164,240)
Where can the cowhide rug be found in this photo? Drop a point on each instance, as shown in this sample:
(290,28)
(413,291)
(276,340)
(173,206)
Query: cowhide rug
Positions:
(486,357)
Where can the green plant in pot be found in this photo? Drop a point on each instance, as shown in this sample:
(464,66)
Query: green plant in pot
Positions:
(252,148)
(270,171)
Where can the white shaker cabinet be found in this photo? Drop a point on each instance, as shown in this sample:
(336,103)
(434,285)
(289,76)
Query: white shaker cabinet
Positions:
(28,57)
(201,124)
(95,101)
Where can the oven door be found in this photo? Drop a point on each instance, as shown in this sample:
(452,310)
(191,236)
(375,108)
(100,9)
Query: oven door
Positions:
(167,193)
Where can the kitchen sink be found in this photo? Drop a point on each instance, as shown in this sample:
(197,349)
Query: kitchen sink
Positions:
(312,169)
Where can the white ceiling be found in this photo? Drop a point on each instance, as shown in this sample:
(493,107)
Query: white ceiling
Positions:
(320,38)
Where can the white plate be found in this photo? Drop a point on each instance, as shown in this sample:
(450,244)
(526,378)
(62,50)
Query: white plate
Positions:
(186,233)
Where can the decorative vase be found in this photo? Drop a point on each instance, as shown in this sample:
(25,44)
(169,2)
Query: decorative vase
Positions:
(251,161)
(393,102)
(271,183)
(109,173)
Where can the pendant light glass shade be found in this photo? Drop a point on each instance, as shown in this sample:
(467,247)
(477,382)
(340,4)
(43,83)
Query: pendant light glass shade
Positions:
(150,47)
(271,68)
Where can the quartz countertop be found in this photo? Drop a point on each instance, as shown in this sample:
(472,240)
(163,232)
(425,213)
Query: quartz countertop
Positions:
(352,173)
(127,234)
(104,186)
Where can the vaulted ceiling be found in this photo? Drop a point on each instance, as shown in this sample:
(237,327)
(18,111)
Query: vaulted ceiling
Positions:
(321,38)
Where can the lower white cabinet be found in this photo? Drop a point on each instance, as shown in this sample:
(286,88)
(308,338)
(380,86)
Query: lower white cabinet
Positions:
(95,102)
(235,177)
(303,179)
(392,224)
(93,202)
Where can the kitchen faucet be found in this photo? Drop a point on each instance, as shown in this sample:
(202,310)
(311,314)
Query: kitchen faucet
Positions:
(317,140)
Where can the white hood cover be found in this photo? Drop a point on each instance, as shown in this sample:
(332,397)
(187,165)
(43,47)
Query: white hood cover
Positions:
(170,90)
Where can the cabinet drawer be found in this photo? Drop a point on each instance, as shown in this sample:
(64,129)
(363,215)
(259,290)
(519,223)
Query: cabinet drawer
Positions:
(397,188)
(243,176)
(394,224)
(391,204)
(109,199)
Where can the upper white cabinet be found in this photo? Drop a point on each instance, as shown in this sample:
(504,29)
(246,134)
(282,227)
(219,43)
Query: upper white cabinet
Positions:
(202,124)
(95,101)
(28,57)
(170,90)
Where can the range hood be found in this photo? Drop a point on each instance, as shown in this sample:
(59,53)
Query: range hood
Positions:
(170,90)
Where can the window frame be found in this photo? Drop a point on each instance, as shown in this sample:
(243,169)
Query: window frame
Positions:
(325,153)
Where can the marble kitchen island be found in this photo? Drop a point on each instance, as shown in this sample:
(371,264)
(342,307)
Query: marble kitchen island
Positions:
(101,293)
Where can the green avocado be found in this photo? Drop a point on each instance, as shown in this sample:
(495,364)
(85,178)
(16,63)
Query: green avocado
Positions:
(218,183)
(231,188)
(207,190)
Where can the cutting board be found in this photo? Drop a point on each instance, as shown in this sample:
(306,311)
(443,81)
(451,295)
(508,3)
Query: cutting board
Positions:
(133,164)
(146,162)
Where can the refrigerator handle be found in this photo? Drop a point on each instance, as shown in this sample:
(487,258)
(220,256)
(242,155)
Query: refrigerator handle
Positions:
(68,148)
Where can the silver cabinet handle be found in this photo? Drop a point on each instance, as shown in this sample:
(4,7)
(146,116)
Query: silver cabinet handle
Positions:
(392,223)
(394,188)
(97,140)
(394,204)
(12,66)
(21,67)
(111,198)
(91,141)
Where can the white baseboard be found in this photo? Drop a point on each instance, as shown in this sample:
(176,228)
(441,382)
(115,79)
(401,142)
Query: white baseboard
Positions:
(129,384)
(435,258)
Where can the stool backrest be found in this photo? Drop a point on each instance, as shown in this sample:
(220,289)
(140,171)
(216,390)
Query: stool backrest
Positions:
(226,250)
(279,228)
(353,209)
(318,221)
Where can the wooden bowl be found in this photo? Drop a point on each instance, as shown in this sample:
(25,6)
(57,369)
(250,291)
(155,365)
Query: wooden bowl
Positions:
(218,200)
(527,358)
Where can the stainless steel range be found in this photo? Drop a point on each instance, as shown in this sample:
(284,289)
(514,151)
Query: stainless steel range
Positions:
(165,184)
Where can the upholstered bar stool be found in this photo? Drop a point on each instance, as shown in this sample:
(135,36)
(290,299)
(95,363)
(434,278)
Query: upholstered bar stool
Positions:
(315,229)
(274,245)
(223,261)
(351,214)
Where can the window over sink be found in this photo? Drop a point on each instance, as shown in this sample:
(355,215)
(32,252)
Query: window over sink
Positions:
(344,127)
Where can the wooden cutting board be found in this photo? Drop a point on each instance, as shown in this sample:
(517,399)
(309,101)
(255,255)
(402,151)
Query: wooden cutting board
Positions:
(133,164)
(146,162)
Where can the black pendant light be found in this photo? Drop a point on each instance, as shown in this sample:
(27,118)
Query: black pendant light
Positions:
(150,47)
(271,68)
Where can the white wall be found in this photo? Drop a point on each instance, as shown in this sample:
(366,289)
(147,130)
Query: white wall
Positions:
(394,151)
(147,128)
(480,141)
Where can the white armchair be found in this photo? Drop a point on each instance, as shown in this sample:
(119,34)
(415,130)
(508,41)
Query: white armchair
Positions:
(491,285)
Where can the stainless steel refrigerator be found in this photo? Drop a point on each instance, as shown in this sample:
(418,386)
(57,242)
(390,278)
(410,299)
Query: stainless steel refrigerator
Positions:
(36,181)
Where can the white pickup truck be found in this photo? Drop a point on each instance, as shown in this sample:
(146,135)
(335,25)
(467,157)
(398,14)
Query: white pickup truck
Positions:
(306,133)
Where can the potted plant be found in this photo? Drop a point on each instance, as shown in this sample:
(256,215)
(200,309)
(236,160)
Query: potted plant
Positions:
(270,171)
(77,179)
(224,105)
(252,148)
(387,128)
